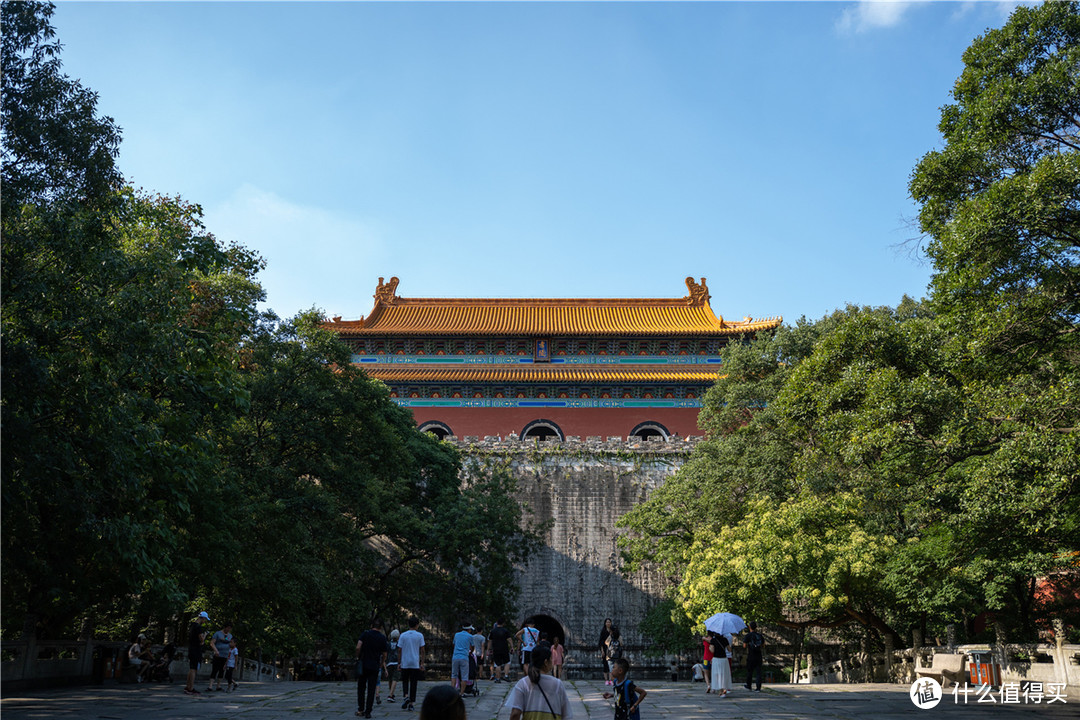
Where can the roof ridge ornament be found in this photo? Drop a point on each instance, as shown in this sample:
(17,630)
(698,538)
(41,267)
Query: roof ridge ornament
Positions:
(699,292)
(386,294)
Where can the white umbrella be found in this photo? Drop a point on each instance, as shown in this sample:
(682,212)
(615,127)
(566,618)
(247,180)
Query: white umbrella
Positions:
(725,623)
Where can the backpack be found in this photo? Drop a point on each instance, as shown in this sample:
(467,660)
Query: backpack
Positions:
(616,650)
(755,641)
(622,710)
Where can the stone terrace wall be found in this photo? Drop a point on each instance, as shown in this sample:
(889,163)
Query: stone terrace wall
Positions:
(582,488)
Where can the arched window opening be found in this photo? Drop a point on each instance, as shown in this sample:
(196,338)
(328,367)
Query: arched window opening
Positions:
(646,430)
(438,429)
(542,430)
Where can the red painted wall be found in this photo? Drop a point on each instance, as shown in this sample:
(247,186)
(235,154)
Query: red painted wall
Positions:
(582,422)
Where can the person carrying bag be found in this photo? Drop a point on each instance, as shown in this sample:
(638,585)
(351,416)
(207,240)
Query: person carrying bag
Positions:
(539,695)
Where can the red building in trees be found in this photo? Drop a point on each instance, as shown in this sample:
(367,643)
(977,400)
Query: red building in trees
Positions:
(546,367)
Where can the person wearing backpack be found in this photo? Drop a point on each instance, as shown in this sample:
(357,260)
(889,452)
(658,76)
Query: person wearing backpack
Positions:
(393,661)
(626,705)
(753,642)
(614,647)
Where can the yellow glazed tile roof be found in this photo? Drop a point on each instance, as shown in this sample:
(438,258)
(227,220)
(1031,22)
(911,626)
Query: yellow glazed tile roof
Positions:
(553,374)
(690,315)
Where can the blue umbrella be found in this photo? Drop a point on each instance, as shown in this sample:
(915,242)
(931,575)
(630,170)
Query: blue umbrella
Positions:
(725,623)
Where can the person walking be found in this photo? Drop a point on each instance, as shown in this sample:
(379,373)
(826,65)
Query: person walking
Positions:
(476,657)
(459,662)
(196,638)
(626,705)
(753,642)
(605,632)
(371,663)
(230,665)
(539,695)
(393,662)
(557,651)
(411,645)
(721,668)
(529,636)
(219,644)
(501,640)
(706,660)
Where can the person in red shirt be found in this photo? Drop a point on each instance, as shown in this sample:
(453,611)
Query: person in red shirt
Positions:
(707,662)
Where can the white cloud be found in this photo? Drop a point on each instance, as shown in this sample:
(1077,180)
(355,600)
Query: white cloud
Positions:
(963,9)
(871,15)
(313,256)
(998,11)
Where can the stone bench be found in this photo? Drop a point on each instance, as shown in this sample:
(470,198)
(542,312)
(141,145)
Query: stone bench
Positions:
(946,666)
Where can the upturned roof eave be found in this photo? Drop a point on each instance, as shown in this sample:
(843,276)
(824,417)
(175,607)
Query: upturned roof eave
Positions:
(576,317)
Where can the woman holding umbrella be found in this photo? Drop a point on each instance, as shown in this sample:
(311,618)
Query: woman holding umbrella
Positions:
(719,627)
(721,669)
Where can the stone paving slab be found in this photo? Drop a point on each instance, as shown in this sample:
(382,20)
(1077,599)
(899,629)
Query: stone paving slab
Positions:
(666,700)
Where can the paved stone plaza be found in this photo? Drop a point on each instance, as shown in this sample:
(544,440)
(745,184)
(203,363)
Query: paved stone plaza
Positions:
(316,701)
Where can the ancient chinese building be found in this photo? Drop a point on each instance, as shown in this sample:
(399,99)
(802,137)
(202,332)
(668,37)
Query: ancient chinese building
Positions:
(546,367)
(612,388)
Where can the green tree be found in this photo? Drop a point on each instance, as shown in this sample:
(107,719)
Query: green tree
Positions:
(1000,204)
(945,434)
(746,454)
(807,561)
(667,630)
(56,146)
(119,357)
(822,444)
(334,508)
(165,447)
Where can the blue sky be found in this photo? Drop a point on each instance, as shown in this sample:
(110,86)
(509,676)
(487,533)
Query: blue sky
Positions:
(540,149)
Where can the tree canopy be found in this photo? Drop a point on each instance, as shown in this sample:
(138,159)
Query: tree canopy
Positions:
(913,466)
(168,448)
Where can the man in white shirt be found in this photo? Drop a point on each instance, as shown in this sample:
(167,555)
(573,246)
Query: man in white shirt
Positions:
(529,636)
(411,644)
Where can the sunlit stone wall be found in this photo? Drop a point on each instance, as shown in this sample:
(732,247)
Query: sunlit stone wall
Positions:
(579,488)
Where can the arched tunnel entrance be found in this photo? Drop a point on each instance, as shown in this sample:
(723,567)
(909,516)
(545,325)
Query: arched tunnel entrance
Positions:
(548,626)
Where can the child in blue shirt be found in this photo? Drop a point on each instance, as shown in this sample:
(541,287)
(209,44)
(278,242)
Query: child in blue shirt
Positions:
(230,664)
(626,705)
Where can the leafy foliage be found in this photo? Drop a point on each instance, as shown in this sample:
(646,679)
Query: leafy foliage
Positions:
(339,510)
(116,373)
(895,467)
(1001,206)
(667,630)
(167,449)
(55,146)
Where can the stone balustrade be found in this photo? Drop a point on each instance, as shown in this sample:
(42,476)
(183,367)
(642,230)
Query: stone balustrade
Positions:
(1017,663)
(26,664)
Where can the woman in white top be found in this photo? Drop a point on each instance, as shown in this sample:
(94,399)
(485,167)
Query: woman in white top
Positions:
(538,695)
